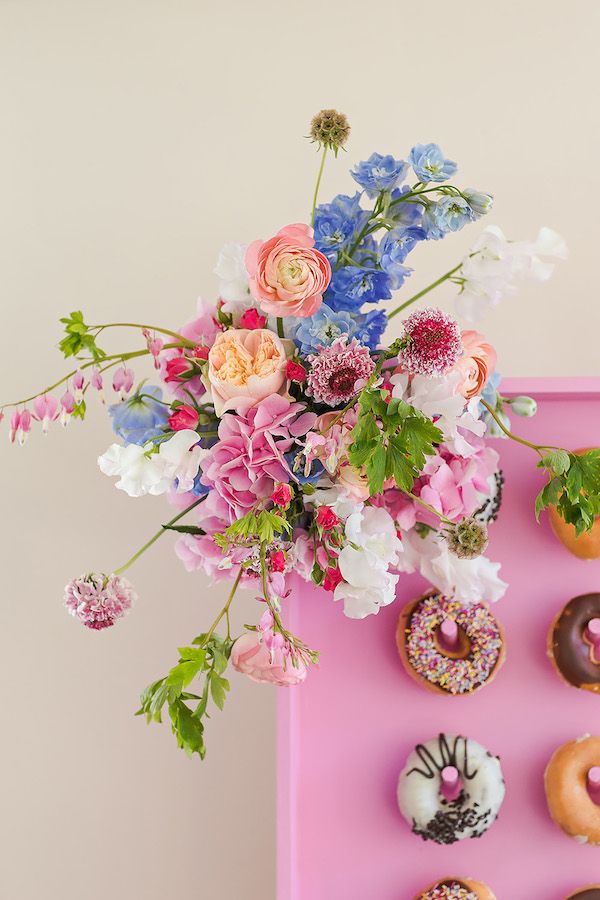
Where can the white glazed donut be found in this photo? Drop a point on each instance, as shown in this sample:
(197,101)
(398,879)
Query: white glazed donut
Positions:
(424,807)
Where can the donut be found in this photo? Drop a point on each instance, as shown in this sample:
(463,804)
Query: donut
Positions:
(566,783)
(479,653)
(591,892)
(456,889)
(489,509)
(420,798)
(584,546)
(569,644)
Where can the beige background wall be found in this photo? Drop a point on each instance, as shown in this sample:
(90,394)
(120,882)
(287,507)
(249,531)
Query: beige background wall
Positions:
(136,137)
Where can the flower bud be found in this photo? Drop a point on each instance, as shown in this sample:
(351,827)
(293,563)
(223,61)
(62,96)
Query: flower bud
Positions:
(523,406)
(468,539)
(479,202)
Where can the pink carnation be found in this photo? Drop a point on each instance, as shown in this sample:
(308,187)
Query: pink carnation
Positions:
(99,600)
(339,371)
(249,458)
(288,276)
(433,342)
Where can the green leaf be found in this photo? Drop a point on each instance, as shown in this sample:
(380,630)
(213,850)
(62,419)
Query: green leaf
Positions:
(184,529)
(218,688)
(375,467)
(558,461)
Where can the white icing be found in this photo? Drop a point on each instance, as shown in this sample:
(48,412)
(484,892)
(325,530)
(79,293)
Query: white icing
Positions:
(420,799)
(580,838)
(582,737)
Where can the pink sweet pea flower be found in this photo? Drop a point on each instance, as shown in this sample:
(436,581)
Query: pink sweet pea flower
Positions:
(252,319)
(184,418)
(45,410)
(288,276)
(252,657)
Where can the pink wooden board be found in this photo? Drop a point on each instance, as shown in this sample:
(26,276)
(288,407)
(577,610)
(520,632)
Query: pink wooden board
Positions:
(344,735)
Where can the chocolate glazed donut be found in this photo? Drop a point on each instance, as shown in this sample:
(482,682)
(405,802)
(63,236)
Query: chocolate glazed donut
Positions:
(588,893)
(569,647)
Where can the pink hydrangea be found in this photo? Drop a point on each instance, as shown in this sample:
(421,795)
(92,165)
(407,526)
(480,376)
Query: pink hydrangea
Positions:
(434,342)
(249,458)
(202,330)
(339,371)
(99,600)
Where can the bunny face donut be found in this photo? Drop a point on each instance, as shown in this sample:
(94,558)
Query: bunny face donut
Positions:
(456,889)
(592,892)
(573,643)
(567,780)
(463,666)
(451,788)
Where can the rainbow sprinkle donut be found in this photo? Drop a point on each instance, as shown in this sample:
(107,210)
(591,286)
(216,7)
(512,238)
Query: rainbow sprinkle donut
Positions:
(462,668)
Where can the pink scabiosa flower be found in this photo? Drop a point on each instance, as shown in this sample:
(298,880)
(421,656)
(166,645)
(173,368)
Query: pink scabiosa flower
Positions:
(99,600)
(288,276)
(45,410)
(433,342)
(183,418)
(339,371)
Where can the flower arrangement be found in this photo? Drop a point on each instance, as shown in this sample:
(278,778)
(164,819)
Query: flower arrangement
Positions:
(288,436)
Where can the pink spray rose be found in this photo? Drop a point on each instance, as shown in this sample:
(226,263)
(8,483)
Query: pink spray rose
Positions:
(252,319)
(288,276)
(475,365)
(244,367)
(252,657)
(183,418)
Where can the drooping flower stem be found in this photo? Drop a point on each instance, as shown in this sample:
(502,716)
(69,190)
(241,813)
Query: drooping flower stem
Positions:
(159,534)
(425,290)
(514,437)
(318,184)
(225,610)
(174,334)
(431,509)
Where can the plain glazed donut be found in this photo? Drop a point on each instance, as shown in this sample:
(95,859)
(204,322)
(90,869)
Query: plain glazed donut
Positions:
(456,889)
(591,892)
(420,798)
(568,647)
(475,661)
(565,779)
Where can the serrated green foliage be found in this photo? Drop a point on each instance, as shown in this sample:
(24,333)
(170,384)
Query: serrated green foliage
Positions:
(573,487)
(207,658)
(78,338)
(261,527)
(391,440)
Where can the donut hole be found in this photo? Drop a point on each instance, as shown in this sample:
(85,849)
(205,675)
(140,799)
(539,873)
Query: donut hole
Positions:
(593,784)
(463,644)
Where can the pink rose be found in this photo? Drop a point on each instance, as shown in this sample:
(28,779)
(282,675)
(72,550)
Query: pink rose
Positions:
(282,496)
(288,277)
(252,657)
(295,372)
(184,418)
(252,319)
(326,518)
(244,367)
(475,365)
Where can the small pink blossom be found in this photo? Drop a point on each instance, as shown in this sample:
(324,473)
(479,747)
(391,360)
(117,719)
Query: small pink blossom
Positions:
(326,518)
(123,381)
(78,384)
(45,410)
(295,372)
(201,331)
(67,405)
(339,371)
(183,418)
(96,382)
(332,578)
(288,276)
(99,600)
(282,496)
(433,342)
(154,344)
(20,426)
(276,665)
(201,352)
(252,319)
(277,561)
(177,369)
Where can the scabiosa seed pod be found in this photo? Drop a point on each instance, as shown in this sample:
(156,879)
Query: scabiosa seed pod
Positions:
(432,342)
(468,539)
(99,600)
(329,128)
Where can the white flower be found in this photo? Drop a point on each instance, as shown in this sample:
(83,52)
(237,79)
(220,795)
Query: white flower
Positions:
(335,495)
(469,580)
(373,530)
(439,399)
(233,278)
(494,265)
(142,471)
(360,602)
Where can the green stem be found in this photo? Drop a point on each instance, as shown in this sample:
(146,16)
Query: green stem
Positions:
(173,334)
(318,184)
(431,509)
(424,291)
(280,330)
(225,610)
(514,437)
(158,534)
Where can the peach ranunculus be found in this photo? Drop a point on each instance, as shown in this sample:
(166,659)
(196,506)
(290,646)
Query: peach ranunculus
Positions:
(252,657)
(245,366)
(475,365)
(288,276)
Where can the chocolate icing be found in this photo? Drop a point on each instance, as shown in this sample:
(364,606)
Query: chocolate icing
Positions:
(448,757)
(589,894)
(572,653)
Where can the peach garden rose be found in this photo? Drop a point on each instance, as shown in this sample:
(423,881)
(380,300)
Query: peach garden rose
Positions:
(245,366)
(288,276)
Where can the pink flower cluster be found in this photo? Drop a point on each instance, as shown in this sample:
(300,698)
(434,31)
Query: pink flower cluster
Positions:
(99,600)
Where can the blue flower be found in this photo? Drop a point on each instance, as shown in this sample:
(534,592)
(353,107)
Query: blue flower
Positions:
(395,247)
(351,286)
(369,328)
(199,489)
(316,468)
(379,173)
(337,223)
(449,214)
(322,328)
(404,212)
(430,164)
(479,202)
(141,418)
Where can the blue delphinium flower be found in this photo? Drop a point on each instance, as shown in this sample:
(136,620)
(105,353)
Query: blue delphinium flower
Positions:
(449,214)
(316,468)
(490,395)
(322,328)
(337,223)
(395,247)
(479,202)
(351,286)
(430,164)
(369,328)
(404,212)
(141,418)
(379,173)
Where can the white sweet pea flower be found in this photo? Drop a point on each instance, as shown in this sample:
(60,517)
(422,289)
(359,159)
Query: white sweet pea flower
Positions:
(145,471)
(360,602)
(233,278)
(373,530)
(494,265)
(335,495)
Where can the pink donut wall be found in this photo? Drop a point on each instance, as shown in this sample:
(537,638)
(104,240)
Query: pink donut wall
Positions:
(344,735)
